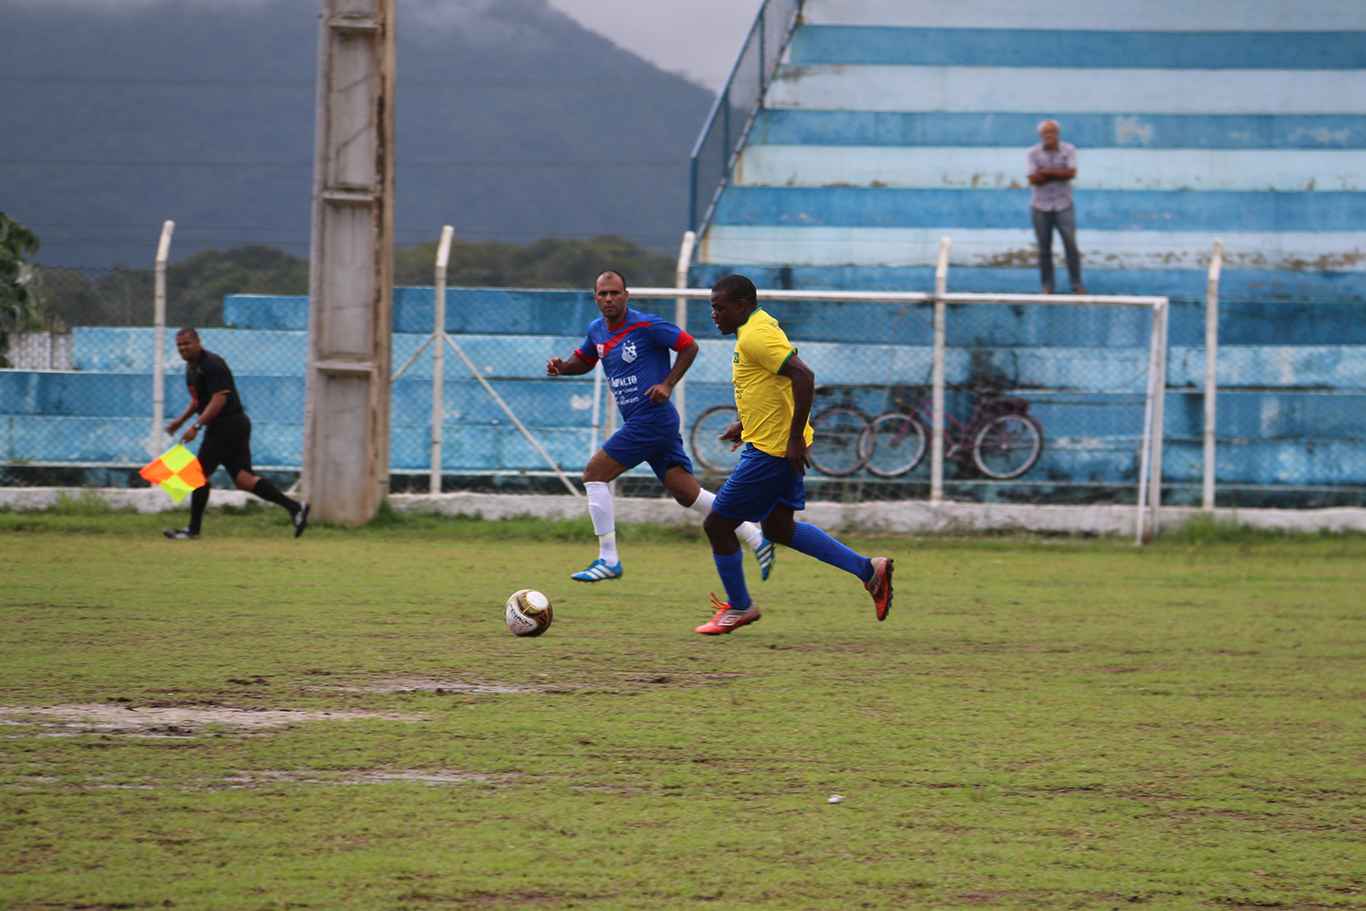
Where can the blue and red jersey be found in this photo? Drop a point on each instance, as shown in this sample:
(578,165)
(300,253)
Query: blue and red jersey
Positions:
(635,356)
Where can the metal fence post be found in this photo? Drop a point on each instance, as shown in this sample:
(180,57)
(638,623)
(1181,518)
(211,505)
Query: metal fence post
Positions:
(1159,409)
(443,255)
(159,339)
(680,395)
(941,287)
(1150,449)
(725,134)
(692,193)
(1216,266)
(763,62)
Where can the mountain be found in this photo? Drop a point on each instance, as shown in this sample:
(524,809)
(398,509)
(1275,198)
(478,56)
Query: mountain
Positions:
(513,123)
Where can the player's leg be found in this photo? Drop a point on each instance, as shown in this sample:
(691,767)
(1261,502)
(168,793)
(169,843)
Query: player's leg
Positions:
(738,609)
(875,573)
(674,470)
(602,469)
(747,496)
(237,461)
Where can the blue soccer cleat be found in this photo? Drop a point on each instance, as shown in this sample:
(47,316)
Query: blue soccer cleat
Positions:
(598,571)
(765,553)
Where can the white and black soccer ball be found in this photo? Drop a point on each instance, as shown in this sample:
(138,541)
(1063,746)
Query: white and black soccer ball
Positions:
(528,613)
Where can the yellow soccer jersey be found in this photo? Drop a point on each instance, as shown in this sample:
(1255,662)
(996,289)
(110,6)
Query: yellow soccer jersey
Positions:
(763,398)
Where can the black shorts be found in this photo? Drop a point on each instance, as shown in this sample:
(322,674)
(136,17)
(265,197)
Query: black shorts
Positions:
(227,442)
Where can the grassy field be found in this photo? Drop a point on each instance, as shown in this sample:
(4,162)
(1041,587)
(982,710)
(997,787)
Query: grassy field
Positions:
(342,721)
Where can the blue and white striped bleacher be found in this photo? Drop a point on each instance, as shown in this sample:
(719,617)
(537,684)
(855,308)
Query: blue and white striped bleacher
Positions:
(891,124)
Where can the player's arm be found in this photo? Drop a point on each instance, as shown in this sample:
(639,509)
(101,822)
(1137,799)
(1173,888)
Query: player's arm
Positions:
(661,391)
(216,403)
(803,394)
(570,366)
(732,435)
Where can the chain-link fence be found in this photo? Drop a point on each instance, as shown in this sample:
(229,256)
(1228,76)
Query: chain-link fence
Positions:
(1043,403)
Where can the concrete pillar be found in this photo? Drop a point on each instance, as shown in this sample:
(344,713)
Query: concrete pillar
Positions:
(346,446)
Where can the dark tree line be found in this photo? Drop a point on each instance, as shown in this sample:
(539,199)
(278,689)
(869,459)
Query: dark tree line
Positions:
(195,287)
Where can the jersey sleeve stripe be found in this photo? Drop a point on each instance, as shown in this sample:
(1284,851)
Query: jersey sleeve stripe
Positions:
(683,340)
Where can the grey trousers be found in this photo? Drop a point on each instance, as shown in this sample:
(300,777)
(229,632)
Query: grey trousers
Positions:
(1065,221)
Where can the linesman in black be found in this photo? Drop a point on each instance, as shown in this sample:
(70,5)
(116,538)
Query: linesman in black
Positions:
(227,435)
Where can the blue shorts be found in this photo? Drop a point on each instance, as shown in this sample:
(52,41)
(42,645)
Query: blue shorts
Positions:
(759,483)
(656,442)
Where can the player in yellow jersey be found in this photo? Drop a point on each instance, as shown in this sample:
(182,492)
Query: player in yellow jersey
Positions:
(773,393)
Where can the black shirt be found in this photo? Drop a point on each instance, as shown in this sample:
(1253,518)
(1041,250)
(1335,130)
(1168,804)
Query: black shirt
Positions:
(208,375)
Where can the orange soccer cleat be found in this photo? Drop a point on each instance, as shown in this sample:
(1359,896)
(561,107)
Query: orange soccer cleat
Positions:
(880,586)
(726,619)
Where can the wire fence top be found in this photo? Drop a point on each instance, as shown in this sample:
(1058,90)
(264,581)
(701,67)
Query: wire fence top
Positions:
(914,297)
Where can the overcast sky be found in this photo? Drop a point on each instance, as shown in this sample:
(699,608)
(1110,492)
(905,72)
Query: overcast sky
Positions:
(698,38)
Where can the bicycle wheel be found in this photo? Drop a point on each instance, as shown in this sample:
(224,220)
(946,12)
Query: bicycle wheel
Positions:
(895,444)
(838,450)
(1007,446)
(707,447)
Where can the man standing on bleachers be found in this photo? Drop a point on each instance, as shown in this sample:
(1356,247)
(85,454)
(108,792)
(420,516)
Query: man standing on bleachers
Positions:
(1052,165)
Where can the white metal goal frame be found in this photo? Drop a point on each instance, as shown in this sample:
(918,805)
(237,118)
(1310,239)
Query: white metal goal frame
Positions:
(1149,499)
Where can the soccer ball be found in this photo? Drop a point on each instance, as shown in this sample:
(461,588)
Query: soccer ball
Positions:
(528,613)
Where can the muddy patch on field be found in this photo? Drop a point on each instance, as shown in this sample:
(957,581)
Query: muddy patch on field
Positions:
(390,685)
(434,777)
(618,683)
(171,721)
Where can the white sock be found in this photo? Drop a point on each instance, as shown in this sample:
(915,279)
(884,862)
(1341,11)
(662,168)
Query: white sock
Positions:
(747,532)
(703,502)
(604,521)
(751,534)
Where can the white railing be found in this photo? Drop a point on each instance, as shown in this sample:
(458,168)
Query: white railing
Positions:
(154,436)
(1216,266)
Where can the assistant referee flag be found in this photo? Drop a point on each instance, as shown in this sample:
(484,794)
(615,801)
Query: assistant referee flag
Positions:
(177,472)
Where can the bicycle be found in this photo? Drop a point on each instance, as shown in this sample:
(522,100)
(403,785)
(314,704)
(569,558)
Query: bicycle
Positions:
(1000,439)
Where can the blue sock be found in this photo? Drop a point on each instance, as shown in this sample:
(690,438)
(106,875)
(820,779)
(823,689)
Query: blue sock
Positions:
(813,542)
(731,569)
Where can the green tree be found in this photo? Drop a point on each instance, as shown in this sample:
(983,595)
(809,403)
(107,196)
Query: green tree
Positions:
(548,263)
(19,305)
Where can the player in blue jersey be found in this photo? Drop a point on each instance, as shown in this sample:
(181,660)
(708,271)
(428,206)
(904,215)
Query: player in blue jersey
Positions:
(634,348)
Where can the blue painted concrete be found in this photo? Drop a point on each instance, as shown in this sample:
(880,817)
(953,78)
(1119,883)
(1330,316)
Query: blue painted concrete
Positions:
(1052,47)
(1131,210)
(1085,131)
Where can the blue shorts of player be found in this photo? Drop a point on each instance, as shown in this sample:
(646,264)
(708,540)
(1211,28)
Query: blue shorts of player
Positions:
(759,483)
(655,441)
